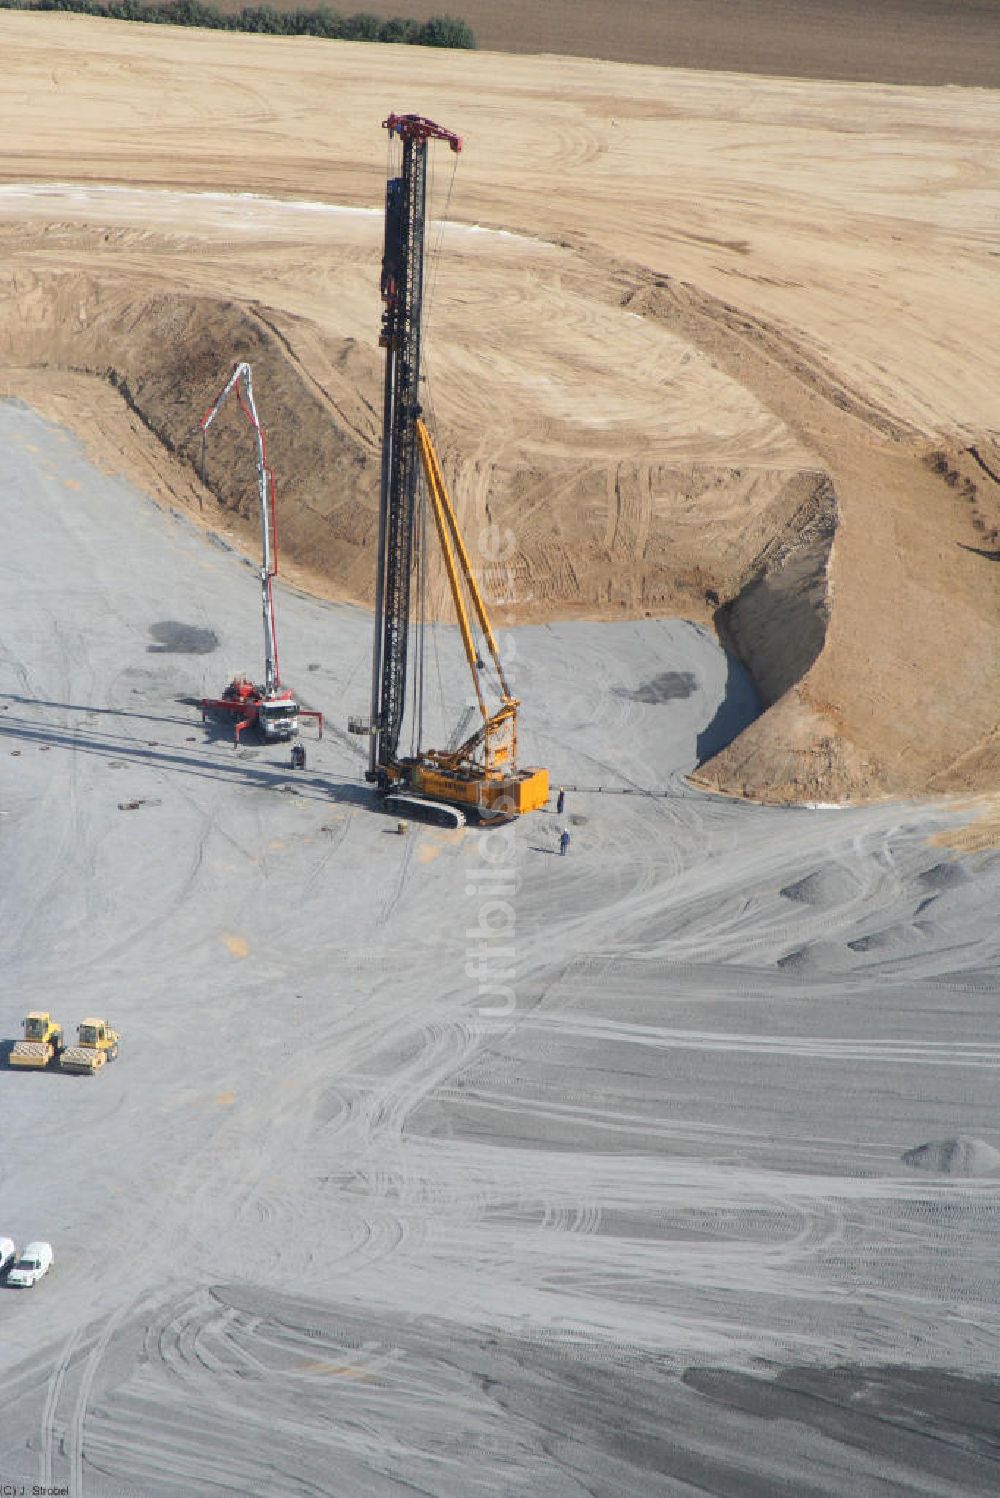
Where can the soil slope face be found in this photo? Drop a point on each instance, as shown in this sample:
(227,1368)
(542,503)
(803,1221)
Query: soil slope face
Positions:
(697,344)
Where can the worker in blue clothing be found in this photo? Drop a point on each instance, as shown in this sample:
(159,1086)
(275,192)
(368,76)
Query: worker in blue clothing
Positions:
(564,842)
(561,802)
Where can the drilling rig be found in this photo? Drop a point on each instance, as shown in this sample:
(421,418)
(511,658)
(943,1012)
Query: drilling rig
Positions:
(271,708)
(479,775)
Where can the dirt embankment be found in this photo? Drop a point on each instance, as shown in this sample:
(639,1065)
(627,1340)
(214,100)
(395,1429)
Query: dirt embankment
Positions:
(163,357)
(748,549)
(597,535)
(871,633)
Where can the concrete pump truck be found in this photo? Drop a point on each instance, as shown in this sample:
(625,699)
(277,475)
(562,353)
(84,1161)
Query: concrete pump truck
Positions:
(480,775)
(269,707)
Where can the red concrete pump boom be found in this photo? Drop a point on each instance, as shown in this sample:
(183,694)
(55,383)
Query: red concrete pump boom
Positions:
(272,708)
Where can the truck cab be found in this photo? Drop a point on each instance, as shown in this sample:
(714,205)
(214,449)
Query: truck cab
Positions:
(35,1261)
(278,718)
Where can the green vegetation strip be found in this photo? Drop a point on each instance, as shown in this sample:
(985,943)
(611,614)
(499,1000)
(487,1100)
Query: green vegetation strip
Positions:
(439,31)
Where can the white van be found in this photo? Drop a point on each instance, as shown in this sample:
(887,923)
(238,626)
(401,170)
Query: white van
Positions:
(35,1261)
(8,1253)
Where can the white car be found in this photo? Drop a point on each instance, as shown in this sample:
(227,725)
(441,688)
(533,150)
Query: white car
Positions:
(8,1253)
(35,1261)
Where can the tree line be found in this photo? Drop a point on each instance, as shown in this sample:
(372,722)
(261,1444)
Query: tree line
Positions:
(439,31)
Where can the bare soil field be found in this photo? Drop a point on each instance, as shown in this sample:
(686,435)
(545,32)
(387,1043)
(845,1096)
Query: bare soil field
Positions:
(900,41)
(703,344)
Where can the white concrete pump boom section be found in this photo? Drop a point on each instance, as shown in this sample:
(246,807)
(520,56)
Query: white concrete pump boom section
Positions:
(272,708)
(242,375)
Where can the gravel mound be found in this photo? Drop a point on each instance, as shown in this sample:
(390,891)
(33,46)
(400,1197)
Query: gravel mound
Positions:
(819,957)
(893,939)
(943,876)
(961,1156)
(826,887)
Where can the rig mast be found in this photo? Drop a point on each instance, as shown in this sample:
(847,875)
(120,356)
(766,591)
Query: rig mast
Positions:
(402,294)
(481,774)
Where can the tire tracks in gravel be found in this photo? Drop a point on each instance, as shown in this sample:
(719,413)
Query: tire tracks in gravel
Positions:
(77,1421)
(335,834)
(96,1346)
(393,898)
(210,825)
(52,1396)
(74,861)
(81,1345)
(398,1199)
(211,1369)
(722,933)
(36,898)
(156,922)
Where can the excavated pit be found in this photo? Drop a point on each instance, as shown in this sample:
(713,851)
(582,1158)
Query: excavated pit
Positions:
(621,539)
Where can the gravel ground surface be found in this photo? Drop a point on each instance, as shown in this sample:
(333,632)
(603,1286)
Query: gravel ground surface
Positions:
(439,1163)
